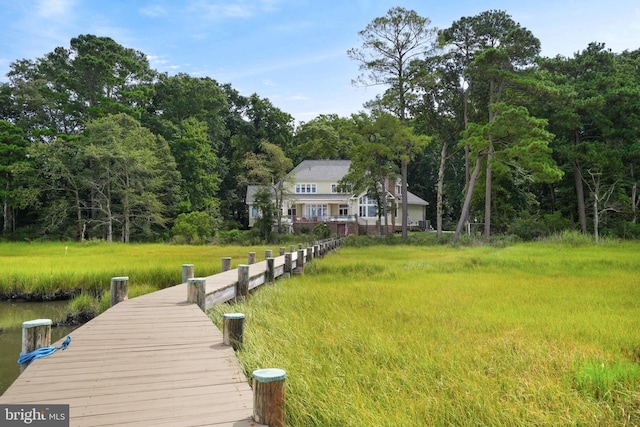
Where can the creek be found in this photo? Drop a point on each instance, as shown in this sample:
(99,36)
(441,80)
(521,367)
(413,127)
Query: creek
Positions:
(12,314)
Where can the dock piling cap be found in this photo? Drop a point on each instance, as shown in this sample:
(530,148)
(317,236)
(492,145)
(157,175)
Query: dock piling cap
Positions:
(35,323)
(268,375)
(233,316)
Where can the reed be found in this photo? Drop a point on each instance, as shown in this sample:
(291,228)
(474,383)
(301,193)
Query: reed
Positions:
(48,268)
(531,334)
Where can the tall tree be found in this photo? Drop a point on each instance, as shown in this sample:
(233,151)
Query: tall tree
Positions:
(67,87)
(198,166)
(13,158)
(127,176)
(597,123)
(269,169)
(389,45)
(493,51)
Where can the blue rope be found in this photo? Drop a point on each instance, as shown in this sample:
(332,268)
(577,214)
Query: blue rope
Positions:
(42,352)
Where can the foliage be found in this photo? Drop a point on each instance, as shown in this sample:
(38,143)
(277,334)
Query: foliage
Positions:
(321,231)
(194,227)
(263,202)
(557,137)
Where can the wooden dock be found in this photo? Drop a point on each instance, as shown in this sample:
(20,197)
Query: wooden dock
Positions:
(155,360)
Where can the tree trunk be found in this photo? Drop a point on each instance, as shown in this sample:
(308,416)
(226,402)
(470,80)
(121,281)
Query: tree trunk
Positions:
(487,196)
(439,202)
(596,214)
(580,196)
(634,203)
(467,199)
(405,202)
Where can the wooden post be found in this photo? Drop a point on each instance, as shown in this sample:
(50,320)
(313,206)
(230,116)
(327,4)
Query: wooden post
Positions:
(269,396)
(299,246)
(226,264)
(187,272)
(281,251)
(268,253)
(119,289)
(252,258)
(309,253)
(35,334)
(299,263)
(233,330)
(242,290)
(316,251)
(287,264)
(291,248)
(196,291)
(271,270)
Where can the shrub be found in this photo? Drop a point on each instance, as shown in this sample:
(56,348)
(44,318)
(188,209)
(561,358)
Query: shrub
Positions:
(322,231)
(193,227)
(528,227)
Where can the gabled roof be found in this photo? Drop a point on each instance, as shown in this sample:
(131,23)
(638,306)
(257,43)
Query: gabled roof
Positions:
(324,170)
(321,170)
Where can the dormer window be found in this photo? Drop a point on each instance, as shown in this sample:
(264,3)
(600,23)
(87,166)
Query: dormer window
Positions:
(306,188)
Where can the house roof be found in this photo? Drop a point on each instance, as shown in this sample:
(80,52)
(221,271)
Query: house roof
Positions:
(324,170)
(321,170)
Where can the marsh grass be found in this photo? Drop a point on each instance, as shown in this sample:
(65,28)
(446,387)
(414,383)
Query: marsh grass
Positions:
(48,268)
(530,334)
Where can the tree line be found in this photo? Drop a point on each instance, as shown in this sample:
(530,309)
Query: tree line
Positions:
(97,145)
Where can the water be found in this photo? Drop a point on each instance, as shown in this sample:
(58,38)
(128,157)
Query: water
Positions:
(12,314)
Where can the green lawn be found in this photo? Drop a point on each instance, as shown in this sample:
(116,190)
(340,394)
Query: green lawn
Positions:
(531,334)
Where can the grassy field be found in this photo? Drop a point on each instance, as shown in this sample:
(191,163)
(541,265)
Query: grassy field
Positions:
(530,334)
(47,268)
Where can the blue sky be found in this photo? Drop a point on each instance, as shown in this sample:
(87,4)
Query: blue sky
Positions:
(290,51)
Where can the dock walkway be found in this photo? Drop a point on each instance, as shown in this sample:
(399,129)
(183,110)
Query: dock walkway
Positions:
(154,360)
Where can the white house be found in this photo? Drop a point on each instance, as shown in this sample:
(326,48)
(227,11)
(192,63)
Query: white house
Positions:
(312,197)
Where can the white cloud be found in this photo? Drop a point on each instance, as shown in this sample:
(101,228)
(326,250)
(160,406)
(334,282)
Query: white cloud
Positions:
(209,10)
(154,11)
(54,8)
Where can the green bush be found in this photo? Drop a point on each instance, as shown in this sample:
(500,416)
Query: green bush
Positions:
(193,228)
(528,227)
(321,231)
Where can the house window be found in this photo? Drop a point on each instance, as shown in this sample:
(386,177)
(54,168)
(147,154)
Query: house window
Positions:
(291,212)
(343,210)
(306,188)
(254,212)
(334,188)
(316,211)
(367,207)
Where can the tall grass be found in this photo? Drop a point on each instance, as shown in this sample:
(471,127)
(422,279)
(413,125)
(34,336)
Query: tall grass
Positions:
(531,334)
(48,268)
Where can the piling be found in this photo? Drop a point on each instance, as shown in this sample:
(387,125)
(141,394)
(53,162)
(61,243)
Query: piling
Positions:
(119,289)
(287,264)
(35,334)
(251,259)
(271,270)
(226,264)
(299,263)
(242,290)
(196,291)
(269,397)
(187,272)
(233,330)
